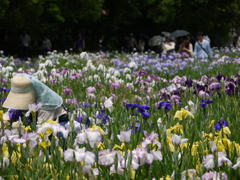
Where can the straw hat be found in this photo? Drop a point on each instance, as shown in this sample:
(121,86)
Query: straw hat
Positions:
(21,94)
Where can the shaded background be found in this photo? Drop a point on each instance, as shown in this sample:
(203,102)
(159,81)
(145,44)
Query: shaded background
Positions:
(62,20)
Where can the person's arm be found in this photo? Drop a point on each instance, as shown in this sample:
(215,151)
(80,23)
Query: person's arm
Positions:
(209,50)
(45,115)
(190,48)
(238,42)
(135,43)
(74,45)
(180,49)
(83,42)
(29,42)
(195,48)
(50,45)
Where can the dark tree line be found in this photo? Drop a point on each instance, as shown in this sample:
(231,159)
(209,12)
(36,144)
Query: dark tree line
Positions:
(61,20)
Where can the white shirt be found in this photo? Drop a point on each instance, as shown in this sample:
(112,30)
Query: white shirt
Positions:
(46,44)
(44,115)
(25,39)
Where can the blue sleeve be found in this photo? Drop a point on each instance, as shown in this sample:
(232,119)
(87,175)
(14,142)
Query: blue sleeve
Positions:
(195,48)
(209,50)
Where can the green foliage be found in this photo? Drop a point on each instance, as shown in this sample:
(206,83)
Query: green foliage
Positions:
(3,7)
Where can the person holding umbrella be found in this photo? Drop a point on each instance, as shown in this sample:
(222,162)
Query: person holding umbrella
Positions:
(202,47)
(168,45)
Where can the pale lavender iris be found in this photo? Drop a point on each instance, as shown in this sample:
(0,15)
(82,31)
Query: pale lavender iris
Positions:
(115,86)
(91,89)
(214,85)
(214,175)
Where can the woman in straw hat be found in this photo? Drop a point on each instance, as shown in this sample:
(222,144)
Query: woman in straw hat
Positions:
(26,89)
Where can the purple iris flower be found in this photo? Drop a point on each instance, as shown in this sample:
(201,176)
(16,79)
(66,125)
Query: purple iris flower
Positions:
(203,105)
(136,128)
(4,89)
(91,89)
(132,105)
(208,101)
(15,114)
(143,108)
(49,74)
(230,88)
(141,73)
(2,100)
(98,84)
(86,105)
(3,80)
(163,56)
(171,57)
(145,115)
(164,96)
(220,124)
(205,102)
(53,81)
(214,85)
(217,126)
(3,62)
(115,86)
(80,119)
(224,123)
(87,122)
(200,87)
(188,82)
(67,91)
(166,105)
(104,117)
(220,76)
(140,109)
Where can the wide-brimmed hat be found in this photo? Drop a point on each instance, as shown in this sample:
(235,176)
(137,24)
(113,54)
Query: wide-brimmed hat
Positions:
(21,94)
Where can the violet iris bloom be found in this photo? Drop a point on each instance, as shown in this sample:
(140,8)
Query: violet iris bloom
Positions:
(115,86)
(86,105)
(67,91)
(166,105)
(81,118)
(203,105)
(141,73)
(143,108)
(220,124)
(104,117)
(205,102)
(132,105)
(164,96)
(91,89)
(214,85)
(15,114)
(230,88)
(188,82)
(220,76)
(4,89)
(145,115)
(2,100)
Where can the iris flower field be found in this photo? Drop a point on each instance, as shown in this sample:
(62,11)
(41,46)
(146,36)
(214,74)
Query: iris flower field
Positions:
(132,116)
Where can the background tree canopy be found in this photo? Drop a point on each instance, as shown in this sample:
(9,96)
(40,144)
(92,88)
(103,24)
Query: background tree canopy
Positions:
(61,20)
